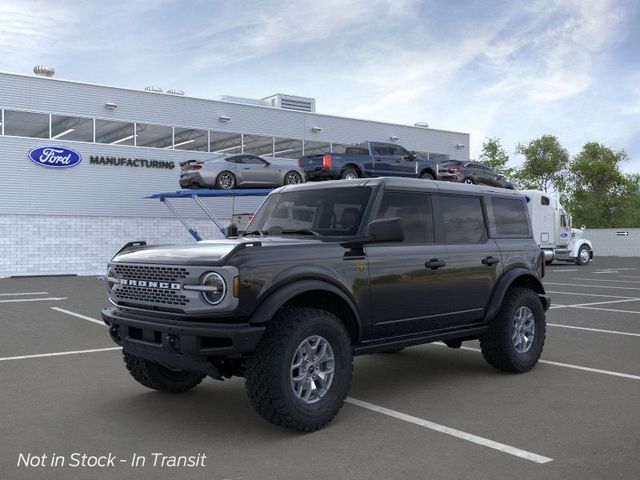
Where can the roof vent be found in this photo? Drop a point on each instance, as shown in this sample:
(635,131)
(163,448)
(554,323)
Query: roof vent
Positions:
(175,91)
(44,71)
(292,102)
(153,88)
(243,100)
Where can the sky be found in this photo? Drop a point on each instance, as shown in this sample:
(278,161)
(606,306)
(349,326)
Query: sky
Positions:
(509,69)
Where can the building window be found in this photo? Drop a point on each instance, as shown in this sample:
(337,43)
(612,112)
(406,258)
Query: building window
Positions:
(225,143)
(115,133)
(258,145)
(287,148)
(157,136)
(26,124)
(190,139)
(71,128)
(316,148)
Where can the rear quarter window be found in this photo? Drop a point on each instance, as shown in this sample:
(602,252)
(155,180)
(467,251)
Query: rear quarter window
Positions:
(510,217)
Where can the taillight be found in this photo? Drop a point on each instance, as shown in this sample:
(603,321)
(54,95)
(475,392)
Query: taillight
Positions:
(454,170)
(326,161)
(299,163)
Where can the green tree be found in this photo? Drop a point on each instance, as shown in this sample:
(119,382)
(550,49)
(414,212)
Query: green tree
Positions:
(495,157)
(545,164)
(600,192)
(631,216)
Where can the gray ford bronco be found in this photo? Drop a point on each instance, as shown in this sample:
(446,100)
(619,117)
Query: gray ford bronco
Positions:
(326,271)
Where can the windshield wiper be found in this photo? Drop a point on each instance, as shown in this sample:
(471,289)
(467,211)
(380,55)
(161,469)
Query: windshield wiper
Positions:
(255,232)
(302,231)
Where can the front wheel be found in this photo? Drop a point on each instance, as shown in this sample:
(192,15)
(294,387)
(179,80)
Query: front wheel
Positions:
(292,178)
(300,373)
(158,377)
(584,255)
(226,180)
(514,339)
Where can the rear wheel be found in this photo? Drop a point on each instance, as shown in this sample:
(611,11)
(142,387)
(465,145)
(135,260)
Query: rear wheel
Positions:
(584,255)
(158,377)
(349,173)
(468,180)
(300,373)
(515,338)
(225,180)
(427,176)
(292,178)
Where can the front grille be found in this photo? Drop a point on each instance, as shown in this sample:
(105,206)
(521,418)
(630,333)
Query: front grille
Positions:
(153,295)
(151,273)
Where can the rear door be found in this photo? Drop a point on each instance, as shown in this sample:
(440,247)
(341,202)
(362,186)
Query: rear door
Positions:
(474,260)
(407,294)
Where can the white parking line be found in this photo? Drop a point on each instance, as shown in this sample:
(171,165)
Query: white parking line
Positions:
(48,299)
(23,293)
(561,270)
(578,305)
(603,280)
(57,354)
(592,286)
(629,276)
(588,294)
(84,317)
(610,310)
(569,365)
(613,332)
(485,442)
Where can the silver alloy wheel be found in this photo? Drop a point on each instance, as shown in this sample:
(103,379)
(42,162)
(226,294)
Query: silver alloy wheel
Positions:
(312,369)
(524,329)
(584,255)
(468,181)
(226,180)
(292,178)
(351,176)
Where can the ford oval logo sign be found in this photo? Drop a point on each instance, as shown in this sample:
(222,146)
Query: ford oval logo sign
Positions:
(55,157)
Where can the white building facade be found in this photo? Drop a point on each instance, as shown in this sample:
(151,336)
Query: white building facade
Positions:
(129,144)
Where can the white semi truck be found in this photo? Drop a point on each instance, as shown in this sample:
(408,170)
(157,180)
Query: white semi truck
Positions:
(553,232)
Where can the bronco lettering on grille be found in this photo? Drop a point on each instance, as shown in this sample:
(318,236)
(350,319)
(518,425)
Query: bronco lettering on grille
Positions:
(150,284)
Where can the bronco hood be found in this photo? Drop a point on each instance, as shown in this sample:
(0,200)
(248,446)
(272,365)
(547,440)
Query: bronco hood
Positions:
(207,252)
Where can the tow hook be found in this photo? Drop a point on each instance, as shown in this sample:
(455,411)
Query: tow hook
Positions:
(173,343)
(114,331)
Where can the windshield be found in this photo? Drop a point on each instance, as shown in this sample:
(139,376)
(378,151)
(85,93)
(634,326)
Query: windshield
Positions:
(335,212)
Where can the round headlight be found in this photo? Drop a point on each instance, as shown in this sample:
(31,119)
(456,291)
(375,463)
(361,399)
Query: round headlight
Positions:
(216,288)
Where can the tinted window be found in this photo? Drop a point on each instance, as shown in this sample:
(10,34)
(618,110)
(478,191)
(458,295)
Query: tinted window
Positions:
(258,145)
(415,211)
(382,150)
(463,219)
(287,148)
(314,148)
(397,151)
(227,143)
(357,151)
(190,139)
(115,133)
(157,136)
(251,160)
(544,200)
(510,216)
(25,124)
(71,128)
(234,159)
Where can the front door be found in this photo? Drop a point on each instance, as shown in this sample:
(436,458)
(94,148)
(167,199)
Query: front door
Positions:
(257,171)
(408,283)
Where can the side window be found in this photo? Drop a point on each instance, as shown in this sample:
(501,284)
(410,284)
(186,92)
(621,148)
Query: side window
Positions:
(398,151)
(545,200)
(510,216)
(415,211)
(463,219)
(251,160)
(234,160)
(381,150)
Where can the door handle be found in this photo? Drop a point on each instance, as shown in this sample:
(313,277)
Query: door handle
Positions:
(434,264)
(488,261)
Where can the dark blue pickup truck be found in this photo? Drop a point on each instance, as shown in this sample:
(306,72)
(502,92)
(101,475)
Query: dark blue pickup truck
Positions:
(368,159)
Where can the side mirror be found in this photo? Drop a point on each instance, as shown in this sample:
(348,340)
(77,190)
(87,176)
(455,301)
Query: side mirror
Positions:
(385,230)
(232,231)
(410,156)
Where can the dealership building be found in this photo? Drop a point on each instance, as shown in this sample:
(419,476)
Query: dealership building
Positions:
(127,144)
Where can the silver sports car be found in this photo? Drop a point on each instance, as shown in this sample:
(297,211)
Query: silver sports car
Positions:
(243,170)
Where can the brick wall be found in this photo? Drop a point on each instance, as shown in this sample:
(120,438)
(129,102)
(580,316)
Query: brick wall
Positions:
(54,245)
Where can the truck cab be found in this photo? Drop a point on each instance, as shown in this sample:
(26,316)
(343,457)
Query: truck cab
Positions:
(553,231)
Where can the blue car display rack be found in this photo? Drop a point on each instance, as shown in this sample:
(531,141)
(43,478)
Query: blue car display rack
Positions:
(197,194)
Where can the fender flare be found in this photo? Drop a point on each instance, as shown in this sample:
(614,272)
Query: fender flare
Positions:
(281,295)
(576,247)
(427,168)
(505,282)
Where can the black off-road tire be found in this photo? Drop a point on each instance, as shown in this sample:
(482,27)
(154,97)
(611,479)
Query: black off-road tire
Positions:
(496,343)
(349,172)
(268,380)
(427,176)
(157,377)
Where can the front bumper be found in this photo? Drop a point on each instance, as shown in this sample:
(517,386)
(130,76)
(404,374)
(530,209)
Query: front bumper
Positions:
(178,343)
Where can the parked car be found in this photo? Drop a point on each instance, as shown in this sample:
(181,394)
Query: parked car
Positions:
(326,271)
(244,170)
(471,172)
(368,159)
